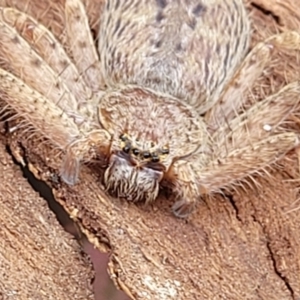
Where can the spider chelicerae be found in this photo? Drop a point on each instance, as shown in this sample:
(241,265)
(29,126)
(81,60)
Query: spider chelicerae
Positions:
(160,104)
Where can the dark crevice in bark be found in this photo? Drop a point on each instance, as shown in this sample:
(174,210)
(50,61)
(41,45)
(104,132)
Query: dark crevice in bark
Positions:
(273,259)
(278,273)
(45,192)
(233,204)
(266,12)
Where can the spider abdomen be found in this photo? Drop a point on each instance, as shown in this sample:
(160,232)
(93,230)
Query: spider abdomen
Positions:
(187,49)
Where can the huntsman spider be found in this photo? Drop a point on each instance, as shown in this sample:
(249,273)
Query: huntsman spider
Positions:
(159,104)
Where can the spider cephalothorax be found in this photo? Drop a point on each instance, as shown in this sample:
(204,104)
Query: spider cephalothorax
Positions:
(151,131)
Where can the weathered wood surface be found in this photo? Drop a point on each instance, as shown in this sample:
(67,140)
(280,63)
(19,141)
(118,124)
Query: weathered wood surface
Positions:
(240,246)
(38,259)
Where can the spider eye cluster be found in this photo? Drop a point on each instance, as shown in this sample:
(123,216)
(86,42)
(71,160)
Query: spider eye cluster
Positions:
(129,148)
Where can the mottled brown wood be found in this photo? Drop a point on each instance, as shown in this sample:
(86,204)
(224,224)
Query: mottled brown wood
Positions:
(38,259)
(286,12)
(240,246)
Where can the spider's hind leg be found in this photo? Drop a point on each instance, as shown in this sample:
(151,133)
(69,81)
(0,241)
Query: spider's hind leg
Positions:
(32,52)
(82,45)
(246,145)
(233,97)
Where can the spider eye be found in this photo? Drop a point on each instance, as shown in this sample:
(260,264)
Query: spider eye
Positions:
(123,137)
(136,151)
(165,151)
(146,154)
(155,158)
(127,148)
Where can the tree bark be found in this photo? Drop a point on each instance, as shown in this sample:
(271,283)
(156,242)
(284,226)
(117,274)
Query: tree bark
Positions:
(38,259)
(244,245)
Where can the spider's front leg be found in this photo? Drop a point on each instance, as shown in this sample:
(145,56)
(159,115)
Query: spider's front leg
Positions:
(94,146)
(186,188)
(48,121)
(182,178)
(251,142)
(46,88)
